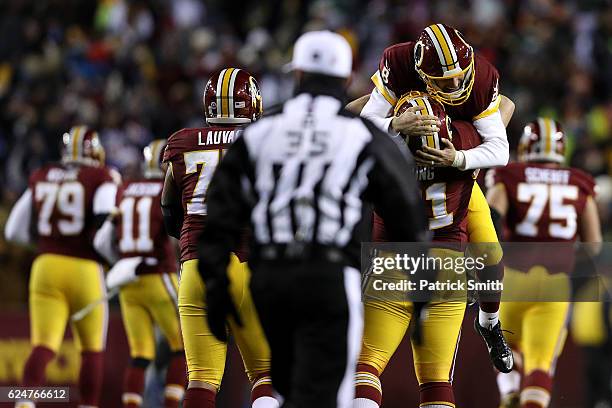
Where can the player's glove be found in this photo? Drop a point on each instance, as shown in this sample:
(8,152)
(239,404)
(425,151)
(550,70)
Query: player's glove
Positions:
(219,305)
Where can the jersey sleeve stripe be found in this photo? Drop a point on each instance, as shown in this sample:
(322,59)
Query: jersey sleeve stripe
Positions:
(493,107)
(385,92)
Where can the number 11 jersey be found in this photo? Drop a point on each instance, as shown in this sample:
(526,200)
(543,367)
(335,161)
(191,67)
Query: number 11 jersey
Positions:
(193,155)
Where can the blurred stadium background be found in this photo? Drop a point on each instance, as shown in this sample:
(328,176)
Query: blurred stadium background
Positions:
(135,69)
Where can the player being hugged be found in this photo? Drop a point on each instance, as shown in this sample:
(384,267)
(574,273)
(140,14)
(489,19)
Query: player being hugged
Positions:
(541,201)
(135,241)
(232,98)
(442,63)
(61,210)
(446,192)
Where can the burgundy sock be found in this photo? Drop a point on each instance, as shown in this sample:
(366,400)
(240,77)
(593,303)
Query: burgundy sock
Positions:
(176,378)
(35,366)
(133,387)
(199,398)
(90,377)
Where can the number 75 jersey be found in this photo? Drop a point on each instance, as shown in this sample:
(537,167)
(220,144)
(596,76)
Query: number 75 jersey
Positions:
(193,155)
(544,202)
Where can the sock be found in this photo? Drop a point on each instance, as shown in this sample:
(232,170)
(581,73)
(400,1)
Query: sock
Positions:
(199,398)
(367,386)
(489,300)
(262,393)
(508,383)
(488,320)
(35,366)
(176,377)
(133,386)
(365,403)
(90,377)
(437,395)
(536,390)
(24,404)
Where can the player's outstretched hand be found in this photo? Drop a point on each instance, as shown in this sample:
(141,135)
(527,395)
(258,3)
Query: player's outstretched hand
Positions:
(220,306)
(429,156)
(409,123)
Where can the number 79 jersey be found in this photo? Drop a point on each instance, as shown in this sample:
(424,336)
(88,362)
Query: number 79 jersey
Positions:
(194,155)
(544,202)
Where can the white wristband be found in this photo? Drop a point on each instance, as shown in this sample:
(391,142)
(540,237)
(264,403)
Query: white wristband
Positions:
(459,160)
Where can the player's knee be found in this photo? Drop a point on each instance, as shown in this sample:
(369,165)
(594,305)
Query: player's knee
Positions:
(140,362)
(490,252)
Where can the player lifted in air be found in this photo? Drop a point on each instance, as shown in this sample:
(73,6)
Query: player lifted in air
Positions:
(542,201)
(64,205)
(386,321)
(442,63)
(232,98)
(146,277)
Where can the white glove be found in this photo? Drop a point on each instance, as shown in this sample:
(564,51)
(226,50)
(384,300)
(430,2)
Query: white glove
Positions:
(123,272)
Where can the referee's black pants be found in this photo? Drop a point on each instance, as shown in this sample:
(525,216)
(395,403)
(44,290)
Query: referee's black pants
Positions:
(312,316)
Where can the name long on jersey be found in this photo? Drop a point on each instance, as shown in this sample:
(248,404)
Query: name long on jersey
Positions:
(305,181)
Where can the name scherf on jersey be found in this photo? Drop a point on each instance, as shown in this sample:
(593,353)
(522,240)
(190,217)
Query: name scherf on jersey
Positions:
(216,137)
(547,176)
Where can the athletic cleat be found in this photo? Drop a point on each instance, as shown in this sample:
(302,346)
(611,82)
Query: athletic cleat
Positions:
(499,351)
(512,400)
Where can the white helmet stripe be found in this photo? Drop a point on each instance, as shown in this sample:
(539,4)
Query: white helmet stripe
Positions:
(552,146)
(450,44)
(231,92)
(436,44)
(219,90)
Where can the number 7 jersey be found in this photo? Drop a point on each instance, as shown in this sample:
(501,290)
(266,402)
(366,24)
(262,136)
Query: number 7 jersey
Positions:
(544,202)
(193,155)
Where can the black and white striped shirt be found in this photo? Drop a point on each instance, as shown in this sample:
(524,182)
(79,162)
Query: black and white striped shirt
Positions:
(311,173)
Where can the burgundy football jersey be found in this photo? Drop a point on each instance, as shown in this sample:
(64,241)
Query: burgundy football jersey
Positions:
(194,155)
(445,190)
(396,76)
(140,226)
(63,208)
(544,202)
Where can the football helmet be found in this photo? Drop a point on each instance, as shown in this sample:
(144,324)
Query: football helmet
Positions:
(431,107)
(441,53)
(542,140)
(153,154)
(232,96)
(82,145)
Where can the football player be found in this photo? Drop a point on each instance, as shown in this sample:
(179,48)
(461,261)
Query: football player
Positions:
(232,98)
(447,192)
(542,201)
(146,275)
(64,205)
(442,63)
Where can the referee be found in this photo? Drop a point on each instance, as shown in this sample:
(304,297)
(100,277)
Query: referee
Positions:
(305,178)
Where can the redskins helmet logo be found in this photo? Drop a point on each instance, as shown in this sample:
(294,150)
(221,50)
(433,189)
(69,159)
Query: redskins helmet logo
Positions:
(419,49)
(255,93)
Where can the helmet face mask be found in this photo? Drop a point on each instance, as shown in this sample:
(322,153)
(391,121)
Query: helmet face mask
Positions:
(232,97)
(543,140)
(441,53)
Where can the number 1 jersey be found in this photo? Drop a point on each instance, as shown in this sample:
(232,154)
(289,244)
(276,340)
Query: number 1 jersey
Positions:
(194,155)
(544,202)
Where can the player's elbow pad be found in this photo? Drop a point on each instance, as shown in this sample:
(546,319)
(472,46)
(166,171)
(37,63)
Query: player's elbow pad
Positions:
(173,220)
